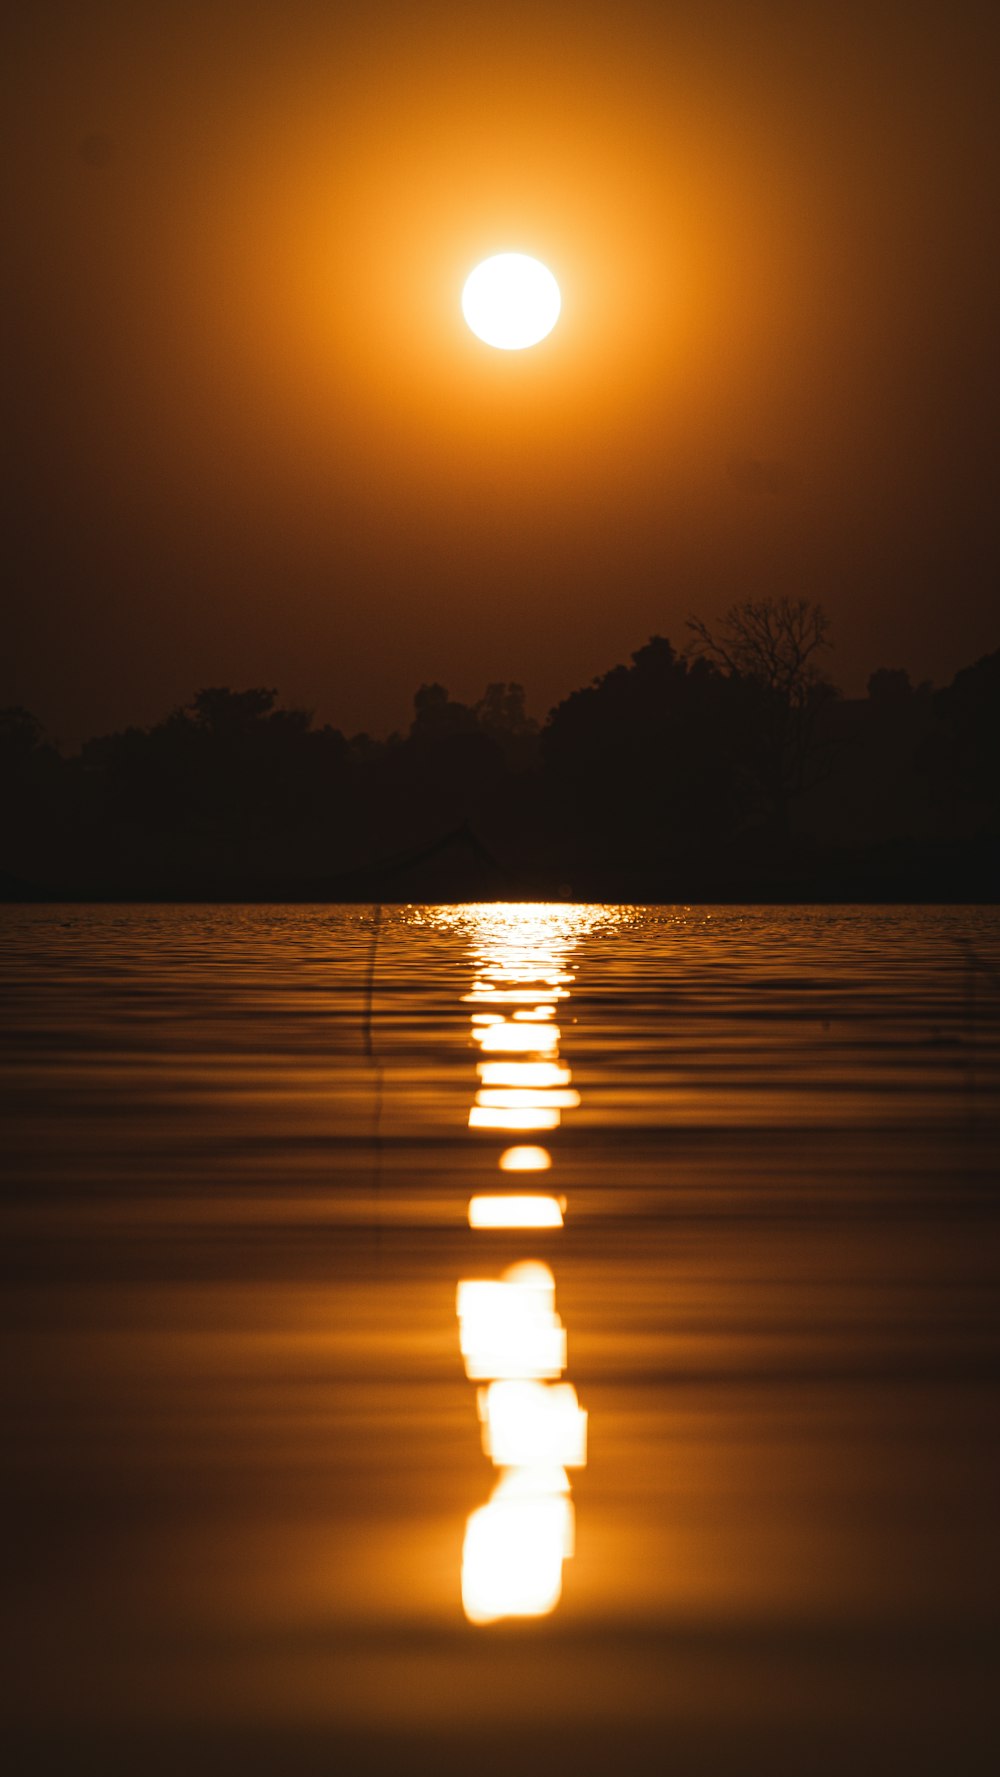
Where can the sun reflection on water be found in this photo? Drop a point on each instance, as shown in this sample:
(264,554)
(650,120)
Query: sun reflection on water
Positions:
(512,1340)
(525,1159)
(510,1328)
(516,1210)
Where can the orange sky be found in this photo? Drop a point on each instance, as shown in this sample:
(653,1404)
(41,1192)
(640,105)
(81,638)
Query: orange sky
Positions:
(253,441)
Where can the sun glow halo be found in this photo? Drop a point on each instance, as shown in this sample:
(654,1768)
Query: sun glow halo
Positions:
(511,301)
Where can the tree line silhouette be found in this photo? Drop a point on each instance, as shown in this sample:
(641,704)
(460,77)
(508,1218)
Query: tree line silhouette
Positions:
(730,768)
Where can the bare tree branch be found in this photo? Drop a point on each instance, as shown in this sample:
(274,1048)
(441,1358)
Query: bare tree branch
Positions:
(772,644)
(770,640)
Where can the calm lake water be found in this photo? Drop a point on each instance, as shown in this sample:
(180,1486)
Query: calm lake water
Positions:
(242,1448)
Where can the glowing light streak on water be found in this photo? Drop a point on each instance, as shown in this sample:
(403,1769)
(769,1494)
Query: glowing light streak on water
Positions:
(525,1159)
(516,1211)
(511,1338)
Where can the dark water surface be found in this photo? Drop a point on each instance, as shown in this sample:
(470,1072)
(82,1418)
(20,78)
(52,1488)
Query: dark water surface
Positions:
(241,1447)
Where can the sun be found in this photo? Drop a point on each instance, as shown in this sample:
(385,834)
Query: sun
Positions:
(511,301)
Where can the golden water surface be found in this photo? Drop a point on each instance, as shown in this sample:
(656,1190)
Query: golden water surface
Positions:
(501,1338)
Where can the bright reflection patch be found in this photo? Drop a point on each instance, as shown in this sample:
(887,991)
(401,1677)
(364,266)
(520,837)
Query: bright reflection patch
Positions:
(526,1423)
(516,1211)
(529,1098)
(513,996)
(509,1328)
(483,1117)
(526,1159)
(511,301)
(513,1555)
(513,1342)
(526,1039)
(523,1073)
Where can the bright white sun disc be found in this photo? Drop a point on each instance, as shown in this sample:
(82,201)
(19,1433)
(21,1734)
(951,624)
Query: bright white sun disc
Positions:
(511,301)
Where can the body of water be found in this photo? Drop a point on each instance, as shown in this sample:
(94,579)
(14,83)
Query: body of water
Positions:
(706,1478)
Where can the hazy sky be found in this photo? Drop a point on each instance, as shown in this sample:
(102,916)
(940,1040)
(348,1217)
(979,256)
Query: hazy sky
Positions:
(253,442)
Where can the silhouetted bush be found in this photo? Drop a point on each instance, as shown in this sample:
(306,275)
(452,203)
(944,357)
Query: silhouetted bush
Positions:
(730,769)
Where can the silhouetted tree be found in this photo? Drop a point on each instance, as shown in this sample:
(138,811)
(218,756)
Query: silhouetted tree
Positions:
(435,714)
(21,737)
(224,713)
(890,687)
(32,784)
(502,715)
(771,644)
(890,690)
(968,757)
(645,763)
(228,784)
(501,710)
(770,640)
(673,773)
